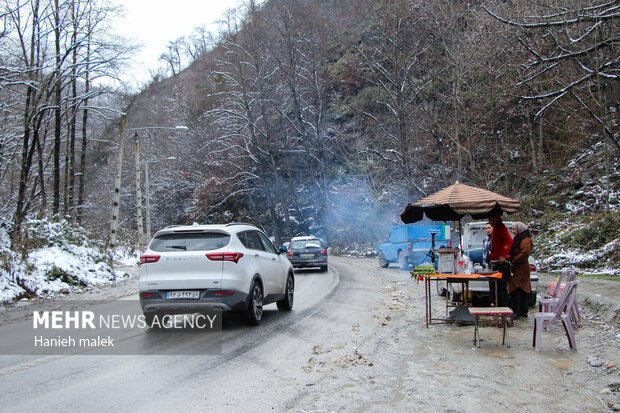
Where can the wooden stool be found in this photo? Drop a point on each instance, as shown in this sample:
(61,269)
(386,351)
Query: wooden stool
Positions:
(496,311)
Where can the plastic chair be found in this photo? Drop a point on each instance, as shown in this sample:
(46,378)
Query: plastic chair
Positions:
(560,313)
(548,302)
(574,309)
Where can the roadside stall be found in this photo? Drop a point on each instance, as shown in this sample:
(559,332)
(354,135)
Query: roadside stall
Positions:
(452,204)
(451,278)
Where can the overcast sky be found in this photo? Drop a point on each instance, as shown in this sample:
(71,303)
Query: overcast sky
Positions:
(154,23)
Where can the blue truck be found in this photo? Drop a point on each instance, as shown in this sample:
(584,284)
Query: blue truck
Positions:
(410,244)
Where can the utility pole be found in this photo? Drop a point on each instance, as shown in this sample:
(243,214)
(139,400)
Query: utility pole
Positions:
(117,182)
(139,196)
(117,186)
(147,188)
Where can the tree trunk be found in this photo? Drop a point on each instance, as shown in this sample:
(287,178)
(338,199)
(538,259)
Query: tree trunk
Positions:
(80,204)
(540,148)
(57,113)
(40,158)
(71,146)
(72,115)
(457,129)
(27,146)
(530,130)
(65,189)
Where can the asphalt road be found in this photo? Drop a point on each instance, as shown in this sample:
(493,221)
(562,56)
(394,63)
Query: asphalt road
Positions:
(61,383)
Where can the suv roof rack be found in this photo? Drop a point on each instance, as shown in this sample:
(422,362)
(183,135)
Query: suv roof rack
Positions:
(239,223)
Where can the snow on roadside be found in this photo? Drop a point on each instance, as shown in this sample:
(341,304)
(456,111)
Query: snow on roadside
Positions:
(59,258)
(125,257)
(79,263)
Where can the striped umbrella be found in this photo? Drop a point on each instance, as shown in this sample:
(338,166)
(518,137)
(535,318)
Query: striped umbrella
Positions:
(456,201)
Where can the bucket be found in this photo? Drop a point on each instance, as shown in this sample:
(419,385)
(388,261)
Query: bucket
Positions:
(552,285)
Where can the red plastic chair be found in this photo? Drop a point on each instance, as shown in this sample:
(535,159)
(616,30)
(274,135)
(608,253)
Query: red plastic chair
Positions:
(561,313)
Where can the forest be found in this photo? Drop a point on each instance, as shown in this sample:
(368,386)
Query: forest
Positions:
(310,116)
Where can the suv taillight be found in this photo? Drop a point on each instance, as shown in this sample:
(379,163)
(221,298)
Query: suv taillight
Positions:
(289,252)
(148,259)
(532,267)
(225,256)
(323,251)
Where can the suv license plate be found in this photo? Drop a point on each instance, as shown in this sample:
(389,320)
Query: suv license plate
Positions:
(307,255)
(171,295)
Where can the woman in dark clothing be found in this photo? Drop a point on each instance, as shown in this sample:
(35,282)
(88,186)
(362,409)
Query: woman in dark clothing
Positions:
(519,286)
(500,245)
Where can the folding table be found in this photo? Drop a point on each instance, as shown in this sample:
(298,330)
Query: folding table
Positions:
(451,278)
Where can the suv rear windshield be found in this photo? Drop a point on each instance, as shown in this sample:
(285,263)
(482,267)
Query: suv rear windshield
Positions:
(306,243)
(195,241)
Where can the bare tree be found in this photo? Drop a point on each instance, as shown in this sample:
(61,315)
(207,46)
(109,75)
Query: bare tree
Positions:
(52,45)
(173,55)
(392,56)
(472,53)
(200,41)
(245,118)
(300,34)
(30,42)
(574,51)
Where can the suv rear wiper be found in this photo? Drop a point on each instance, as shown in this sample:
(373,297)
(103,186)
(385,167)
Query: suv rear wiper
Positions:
(177,247)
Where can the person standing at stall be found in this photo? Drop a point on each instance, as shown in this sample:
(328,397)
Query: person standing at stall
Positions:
(486,258)
(519,286)
(501,241)
(486,247)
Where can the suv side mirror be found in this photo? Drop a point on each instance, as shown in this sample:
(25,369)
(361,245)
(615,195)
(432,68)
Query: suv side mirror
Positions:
(282,249)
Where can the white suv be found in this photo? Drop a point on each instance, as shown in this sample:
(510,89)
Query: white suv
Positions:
(232,267)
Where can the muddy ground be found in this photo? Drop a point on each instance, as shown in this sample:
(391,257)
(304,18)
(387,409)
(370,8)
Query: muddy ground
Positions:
(439,369)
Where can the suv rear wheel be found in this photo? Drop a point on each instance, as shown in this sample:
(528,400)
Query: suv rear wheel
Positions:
(286,304)
(255,306)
